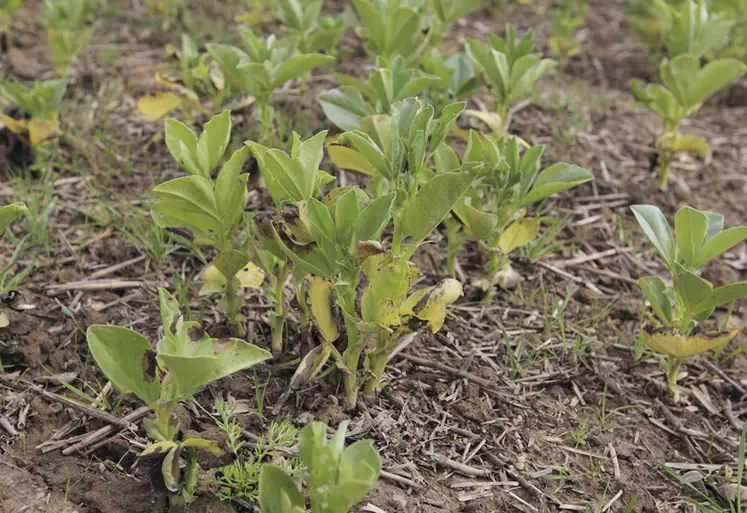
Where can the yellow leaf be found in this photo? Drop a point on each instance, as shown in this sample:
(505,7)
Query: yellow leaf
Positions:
(251,276)
(491,119)
(155,107)
(43,131)
(20,127)
(348,158)
(671,343)
(521,232)
(430,304)
(4,321)
(178,86)
(157,448)
(387,313)
(320,299)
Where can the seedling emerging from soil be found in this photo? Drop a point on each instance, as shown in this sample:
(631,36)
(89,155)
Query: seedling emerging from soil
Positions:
(200,86)
(567,19)
(7,8)
(292,180)
(685,87)
(212,209)
(510,68)
(67,31)
(388,83)
(265,66)
(184,361)
(337,478)
(41,104)
(310,32)
(698,238)
(392,27)
(691,28)
(493,211)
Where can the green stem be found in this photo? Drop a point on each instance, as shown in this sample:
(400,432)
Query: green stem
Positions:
(298,285)
(502,111)
(496,262)
(233,305)
(674,370)
(355,346)
(397,235)
(453,245)
(265,113)
(662,169)
(378,360)
(277,321)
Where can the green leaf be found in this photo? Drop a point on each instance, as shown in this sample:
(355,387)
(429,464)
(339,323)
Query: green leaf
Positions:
(182,144)
(716,75)
(554,179)
(720,243)
(723,295)
(345,107)
(694,290)
(432,203)
(230,193)
(297,66)
(127,359)
(278,492)
(690,227)
(230,262)
(373,219)
(654,289)
(10,213)
(196,364)
(214,141)
(656,228)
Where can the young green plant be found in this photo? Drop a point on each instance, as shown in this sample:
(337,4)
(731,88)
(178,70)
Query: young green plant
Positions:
(213,210)
(685,86)
(690,300)
(10,298)
(567,19)
(310,31)
(457,80)
(185,360)
(264,67)
(493,211)
(691,28)
(67,30)
(42,104)
(338,478)
(393,27)
(292,180)
(388,83)
(511,70)
(200,86)
(446,13)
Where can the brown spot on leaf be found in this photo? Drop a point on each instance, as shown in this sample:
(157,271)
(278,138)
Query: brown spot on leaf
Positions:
(195,334)
(150,365)
(221,345)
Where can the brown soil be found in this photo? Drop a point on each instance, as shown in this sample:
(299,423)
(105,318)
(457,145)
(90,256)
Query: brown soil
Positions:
(566,416)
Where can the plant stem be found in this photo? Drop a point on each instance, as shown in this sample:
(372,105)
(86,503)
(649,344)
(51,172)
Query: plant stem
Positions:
(453,245)
(397,235)
(233,305)
(298,285)
(385,345)
(265,116)
(277,317)
(674,369)
(352,353)
(662,169)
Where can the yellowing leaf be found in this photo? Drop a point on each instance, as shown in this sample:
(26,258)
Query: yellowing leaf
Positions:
(320,299)
(177,86)
(348,158)
(4,321)
(251,276)
(43,131)
(387,313)
(521,232)
(157,106)
(157,448)
(430,304)
(491,119)
(20,127)
(671,343)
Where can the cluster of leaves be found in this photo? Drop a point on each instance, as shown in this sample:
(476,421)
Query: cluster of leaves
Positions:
(511,69)
(685,86)
(200,85)
(67,29)
(493,210)
(265,66)
(310,31)
(212,209)
(42,104)
(338,477)
(690,300)
(567,19)
(184,360)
